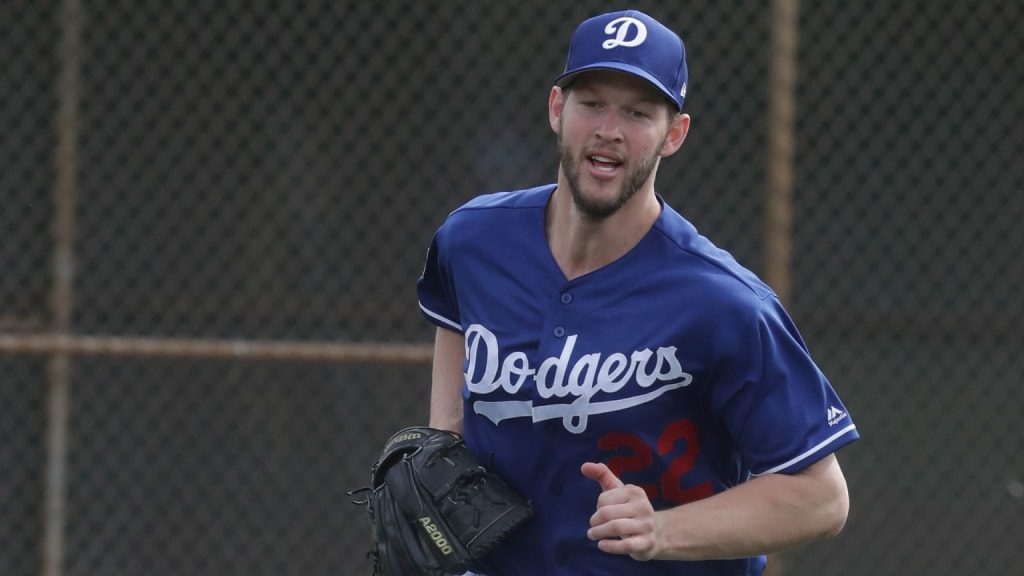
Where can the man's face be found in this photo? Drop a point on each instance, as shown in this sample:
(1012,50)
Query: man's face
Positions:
(612,131)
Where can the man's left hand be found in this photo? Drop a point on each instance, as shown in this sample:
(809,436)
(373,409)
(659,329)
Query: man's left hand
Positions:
(624,522)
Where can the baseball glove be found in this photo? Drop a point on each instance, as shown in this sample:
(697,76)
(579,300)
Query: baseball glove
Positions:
(433,509)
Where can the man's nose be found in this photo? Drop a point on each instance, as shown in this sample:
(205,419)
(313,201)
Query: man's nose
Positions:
(609,127)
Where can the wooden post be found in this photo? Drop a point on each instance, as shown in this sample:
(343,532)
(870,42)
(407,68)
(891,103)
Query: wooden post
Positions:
(781,143)
(62,291)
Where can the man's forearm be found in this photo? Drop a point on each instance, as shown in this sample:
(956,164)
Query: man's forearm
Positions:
(446,381)
(764,515)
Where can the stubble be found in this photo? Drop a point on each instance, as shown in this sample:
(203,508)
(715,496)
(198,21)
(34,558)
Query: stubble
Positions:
(590,205)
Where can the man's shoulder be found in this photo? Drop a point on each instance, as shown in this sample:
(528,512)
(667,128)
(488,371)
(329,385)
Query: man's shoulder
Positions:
(536,197)
(488,217)
(711,263)
(490,213)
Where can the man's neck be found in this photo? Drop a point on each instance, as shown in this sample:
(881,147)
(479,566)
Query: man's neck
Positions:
(581,244)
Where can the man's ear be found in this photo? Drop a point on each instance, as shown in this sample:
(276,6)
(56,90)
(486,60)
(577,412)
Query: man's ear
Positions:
(556,104)
(677,131)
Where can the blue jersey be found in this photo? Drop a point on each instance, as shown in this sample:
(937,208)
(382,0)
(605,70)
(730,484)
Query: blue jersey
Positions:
(674,365)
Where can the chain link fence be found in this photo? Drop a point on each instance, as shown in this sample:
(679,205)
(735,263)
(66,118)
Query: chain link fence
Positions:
(214,214)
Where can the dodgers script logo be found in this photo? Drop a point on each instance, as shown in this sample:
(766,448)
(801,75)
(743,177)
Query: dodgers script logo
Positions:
(621,28)
(654,372)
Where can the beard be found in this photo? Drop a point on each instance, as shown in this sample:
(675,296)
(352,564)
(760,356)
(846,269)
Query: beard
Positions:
(593,207)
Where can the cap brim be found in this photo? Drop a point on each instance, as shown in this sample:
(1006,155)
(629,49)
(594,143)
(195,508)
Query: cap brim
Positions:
(567,78)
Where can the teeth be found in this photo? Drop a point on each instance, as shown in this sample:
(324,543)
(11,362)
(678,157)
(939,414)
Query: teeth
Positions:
(604,163)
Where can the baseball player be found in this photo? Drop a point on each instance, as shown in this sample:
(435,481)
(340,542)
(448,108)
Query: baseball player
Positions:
(645,391)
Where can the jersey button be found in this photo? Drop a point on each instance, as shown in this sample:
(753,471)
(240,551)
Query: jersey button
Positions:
(559,331)
(566,298)
(561,554)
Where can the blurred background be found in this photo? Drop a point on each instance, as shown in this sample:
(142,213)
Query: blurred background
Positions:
(214,213)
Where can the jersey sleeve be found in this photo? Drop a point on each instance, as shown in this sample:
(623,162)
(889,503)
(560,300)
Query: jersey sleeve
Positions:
(436,288)
(777,404)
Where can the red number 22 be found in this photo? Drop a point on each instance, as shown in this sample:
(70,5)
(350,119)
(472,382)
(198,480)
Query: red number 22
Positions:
(641,457)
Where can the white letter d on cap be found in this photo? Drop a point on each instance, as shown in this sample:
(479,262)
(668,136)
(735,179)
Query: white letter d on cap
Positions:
(621,28)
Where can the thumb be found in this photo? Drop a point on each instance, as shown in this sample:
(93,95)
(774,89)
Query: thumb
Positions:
(601,474)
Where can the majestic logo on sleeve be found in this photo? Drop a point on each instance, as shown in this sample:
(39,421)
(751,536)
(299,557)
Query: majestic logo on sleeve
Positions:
(629,32)
(654,372)
(835,416)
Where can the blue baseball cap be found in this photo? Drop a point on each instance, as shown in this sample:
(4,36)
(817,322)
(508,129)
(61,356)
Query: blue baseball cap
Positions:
(632,42)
